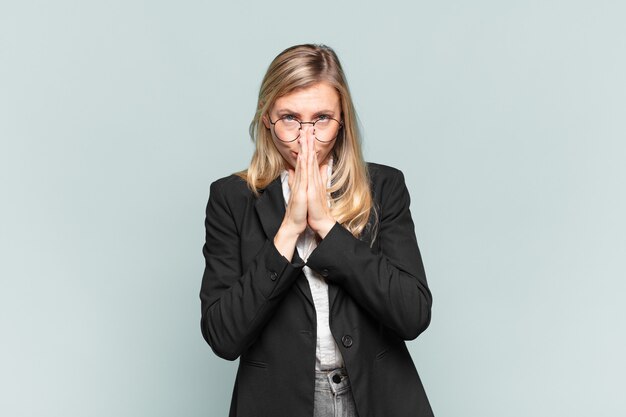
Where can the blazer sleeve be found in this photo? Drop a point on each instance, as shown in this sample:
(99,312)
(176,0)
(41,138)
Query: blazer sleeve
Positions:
(390,283)
(237,303)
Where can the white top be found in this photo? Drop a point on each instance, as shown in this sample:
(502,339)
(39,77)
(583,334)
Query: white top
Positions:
(327,352)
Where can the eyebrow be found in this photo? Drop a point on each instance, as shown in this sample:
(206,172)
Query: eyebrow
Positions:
(284,111)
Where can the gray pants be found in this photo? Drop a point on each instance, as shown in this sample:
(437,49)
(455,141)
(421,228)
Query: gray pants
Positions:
(333,396)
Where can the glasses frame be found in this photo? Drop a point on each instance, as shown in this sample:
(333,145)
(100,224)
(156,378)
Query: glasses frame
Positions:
(312,123)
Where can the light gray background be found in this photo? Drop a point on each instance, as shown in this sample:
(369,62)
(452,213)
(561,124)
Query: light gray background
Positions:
(507,118)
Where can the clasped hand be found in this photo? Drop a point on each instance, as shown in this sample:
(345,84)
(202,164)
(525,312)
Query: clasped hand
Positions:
(308,202)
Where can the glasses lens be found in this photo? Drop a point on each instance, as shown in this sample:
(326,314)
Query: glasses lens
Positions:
(327,129)
(287,129)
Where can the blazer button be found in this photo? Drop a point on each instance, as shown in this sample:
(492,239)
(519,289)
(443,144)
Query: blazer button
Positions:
(273,276)
(324,273)
(346,341)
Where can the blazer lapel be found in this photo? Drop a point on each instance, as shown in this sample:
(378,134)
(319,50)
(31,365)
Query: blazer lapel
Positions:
(270,207)
(302,282)
(333,290)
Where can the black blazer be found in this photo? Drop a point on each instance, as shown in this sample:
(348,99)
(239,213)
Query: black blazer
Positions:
(257,306)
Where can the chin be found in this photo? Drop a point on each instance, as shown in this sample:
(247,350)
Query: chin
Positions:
(323,160)
(290,163)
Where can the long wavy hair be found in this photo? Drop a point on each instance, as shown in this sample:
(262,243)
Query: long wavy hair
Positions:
(298,67)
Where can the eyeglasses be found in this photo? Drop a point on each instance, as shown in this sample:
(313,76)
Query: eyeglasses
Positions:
(288,128)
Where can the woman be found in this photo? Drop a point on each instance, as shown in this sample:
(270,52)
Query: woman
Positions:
(313,275)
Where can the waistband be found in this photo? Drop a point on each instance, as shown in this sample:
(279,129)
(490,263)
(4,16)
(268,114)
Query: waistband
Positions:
(335,381)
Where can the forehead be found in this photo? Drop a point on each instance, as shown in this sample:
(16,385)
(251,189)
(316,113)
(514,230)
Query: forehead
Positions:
(320,96)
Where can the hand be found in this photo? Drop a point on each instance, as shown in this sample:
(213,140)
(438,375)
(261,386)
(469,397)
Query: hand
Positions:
(319,217)
(295,220)
(308,202)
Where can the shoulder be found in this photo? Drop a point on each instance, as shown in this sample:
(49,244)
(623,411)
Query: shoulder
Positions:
(232,182)
(380,174)
(388,184)
(231,187)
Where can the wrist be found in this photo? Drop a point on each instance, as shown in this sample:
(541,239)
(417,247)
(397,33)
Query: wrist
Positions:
(324,227)
(289,231)
(285,240)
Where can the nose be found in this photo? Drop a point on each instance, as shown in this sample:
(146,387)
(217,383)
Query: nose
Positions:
(310,125)
(307,129)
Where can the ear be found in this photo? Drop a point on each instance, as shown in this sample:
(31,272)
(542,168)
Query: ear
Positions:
(266,121)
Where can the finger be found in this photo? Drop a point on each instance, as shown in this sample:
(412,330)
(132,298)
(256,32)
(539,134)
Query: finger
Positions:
(316,171)
(291,176)
(302,144)
(321,173)
(296,207)
(312,150)
(302,174)
(313,167)
(312,172)
(318,192)
(303,161)
(324,175)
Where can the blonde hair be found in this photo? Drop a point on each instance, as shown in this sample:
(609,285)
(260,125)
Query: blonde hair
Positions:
(298,67)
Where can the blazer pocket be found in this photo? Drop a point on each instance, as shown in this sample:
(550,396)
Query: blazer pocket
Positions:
(381,354)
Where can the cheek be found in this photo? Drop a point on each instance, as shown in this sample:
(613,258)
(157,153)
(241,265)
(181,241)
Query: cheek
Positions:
(324,149)
(286,150)
(288,147)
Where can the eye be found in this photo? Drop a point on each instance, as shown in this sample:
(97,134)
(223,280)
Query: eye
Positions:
(324,117)
(288,118)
